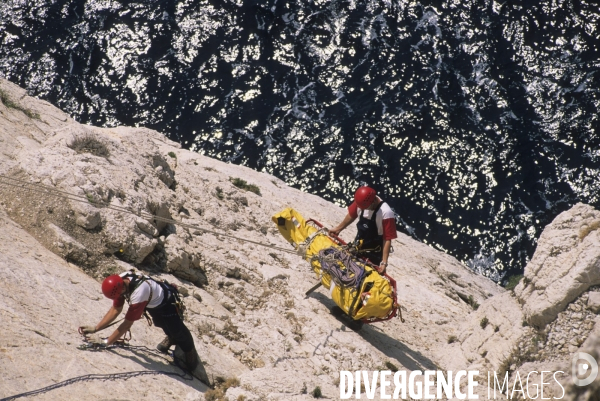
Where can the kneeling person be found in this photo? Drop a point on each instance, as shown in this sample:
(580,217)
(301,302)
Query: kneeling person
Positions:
(143,293)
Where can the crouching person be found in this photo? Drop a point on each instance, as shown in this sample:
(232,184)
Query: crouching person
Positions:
(144,294)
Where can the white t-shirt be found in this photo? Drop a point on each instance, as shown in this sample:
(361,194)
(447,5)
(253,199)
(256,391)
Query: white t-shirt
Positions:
(138,301)
(142,293)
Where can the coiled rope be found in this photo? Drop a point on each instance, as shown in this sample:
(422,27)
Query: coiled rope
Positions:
(110,376)
(342,267)
(48,190)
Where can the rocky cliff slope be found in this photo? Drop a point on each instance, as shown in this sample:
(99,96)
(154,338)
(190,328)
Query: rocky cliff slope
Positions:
(78,203)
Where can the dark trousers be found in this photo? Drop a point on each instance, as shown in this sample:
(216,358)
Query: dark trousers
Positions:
(166,317)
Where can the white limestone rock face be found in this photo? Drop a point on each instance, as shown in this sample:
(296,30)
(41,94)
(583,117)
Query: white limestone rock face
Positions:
(565,264)
(65,246)
(247,309)
(46,300)
(591,392)
(87,218)
(593,302)
(561,385)
(183,260)
(493,331)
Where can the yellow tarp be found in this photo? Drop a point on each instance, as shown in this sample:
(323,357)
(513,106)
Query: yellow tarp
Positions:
(377,302)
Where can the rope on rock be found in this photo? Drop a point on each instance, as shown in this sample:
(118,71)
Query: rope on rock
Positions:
(110,376)
(305,245)
(48,190)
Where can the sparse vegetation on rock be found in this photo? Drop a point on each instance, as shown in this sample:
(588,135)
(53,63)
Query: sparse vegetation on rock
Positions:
(11,104)
(512,282)
(138,207)
(89,143)
(242,184)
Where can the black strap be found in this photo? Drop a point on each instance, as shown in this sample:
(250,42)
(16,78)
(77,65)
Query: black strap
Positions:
(134,282)
(168,290)
(374,210)
(367,288)
(351,311)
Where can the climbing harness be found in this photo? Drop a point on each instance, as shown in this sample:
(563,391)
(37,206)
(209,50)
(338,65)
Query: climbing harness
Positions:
(368,243)
(168,291)
(48,190)
(135,280)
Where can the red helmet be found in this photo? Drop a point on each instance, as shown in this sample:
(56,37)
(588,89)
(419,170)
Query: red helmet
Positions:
(364,196)
(112,286)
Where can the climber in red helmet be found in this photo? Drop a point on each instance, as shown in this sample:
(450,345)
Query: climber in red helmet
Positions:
(144,294)
(376,226)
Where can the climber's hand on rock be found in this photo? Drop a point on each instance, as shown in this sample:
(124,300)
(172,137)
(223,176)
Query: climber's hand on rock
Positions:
(95,339)
(87,329)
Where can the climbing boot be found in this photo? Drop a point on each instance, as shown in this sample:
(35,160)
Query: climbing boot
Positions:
(191,359)
(165,345)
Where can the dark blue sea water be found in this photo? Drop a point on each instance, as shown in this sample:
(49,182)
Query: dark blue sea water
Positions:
(476,120)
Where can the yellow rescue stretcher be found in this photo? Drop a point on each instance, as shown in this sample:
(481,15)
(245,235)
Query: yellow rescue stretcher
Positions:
(373,299)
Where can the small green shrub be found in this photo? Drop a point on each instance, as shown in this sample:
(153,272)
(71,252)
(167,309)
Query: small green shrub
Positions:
(242,184)
(316,393)
(221,386)
(11,104)
(452,339)
(517,357)
(473,303)
(172,154)
(7,101)
(231,382)
(214,395)
(206,328)
(496,329)
(391,366)
(89,143)
(512,282)
(484,322)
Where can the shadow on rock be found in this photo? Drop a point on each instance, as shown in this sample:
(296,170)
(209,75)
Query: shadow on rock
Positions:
(168,365)
(392,348)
